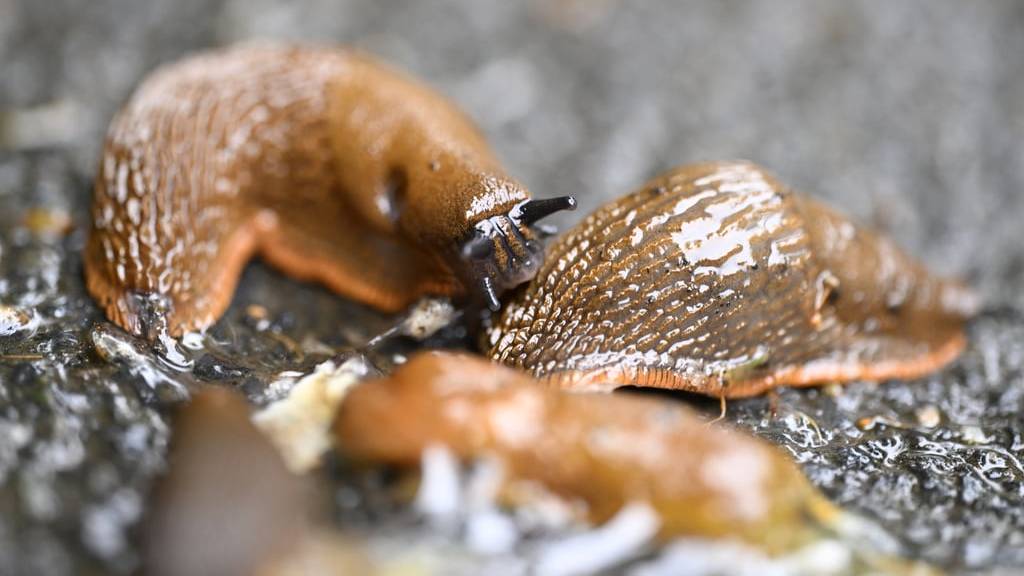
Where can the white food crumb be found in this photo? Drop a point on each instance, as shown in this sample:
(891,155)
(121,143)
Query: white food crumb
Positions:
(620,539)
(299,423)
(427,317)
(699,557)
(439,495)
(490,532)
(824,557)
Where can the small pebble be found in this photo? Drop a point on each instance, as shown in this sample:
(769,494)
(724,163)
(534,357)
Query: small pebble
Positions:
(47,223)
(192,340)
(259,315)
(113,346)
(928,416)
(866,423)
(974,435)
(14,320)
(256,312)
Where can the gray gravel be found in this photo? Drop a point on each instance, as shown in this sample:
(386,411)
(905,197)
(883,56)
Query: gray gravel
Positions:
(907,115)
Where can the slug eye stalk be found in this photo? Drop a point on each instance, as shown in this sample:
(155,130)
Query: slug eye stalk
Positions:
(531,211)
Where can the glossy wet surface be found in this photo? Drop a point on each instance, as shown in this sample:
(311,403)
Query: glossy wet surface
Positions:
(908,118)
(716,278)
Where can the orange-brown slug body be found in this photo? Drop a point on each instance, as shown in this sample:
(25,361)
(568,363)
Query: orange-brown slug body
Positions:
(605,450)
(325,162)
(718,279)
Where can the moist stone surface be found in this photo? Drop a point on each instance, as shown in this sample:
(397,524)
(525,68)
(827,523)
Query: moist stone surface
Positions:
(907,117)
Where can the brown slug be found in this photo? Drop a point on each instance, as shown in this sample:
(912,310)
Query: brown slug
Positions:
(605,450)
(325,162)
(716,278)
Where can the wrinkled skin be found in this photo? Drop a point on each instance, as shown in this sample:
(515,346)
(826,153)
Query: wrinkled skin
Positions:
(324,162)
(715,278)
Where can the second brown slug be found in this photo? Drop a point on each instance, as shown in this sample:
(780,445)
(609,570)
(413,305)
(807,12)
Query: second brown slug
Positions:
(716,278)
(328,164)
(603,450)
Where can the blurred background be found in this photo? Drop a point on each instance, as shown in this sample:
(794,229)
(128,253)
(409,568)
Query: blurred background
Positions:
(907,115)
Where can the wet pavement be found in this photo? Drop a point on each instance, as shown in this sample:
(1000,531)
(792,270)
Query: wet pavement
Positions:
(908,117)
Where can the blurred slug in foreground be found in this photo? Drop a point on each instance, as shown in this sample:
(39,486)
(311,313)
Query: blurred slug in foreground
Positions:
(325,162)
(209,497)
(604,450)
(716,278)
(227,503)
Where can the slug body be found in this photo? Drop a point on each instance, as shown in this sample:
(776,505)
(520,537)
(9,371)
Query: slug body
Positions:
(717,279)
(200,499)
(326,163)
(604,450)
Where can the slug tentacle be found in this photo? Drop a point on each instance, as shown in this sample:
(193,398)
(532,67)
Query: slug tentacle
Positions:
(504,251)
(531,211)
(327,163)
(717,279)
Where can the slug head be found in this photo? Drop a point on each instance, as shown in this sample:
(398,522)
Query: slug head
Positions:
(506,250)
